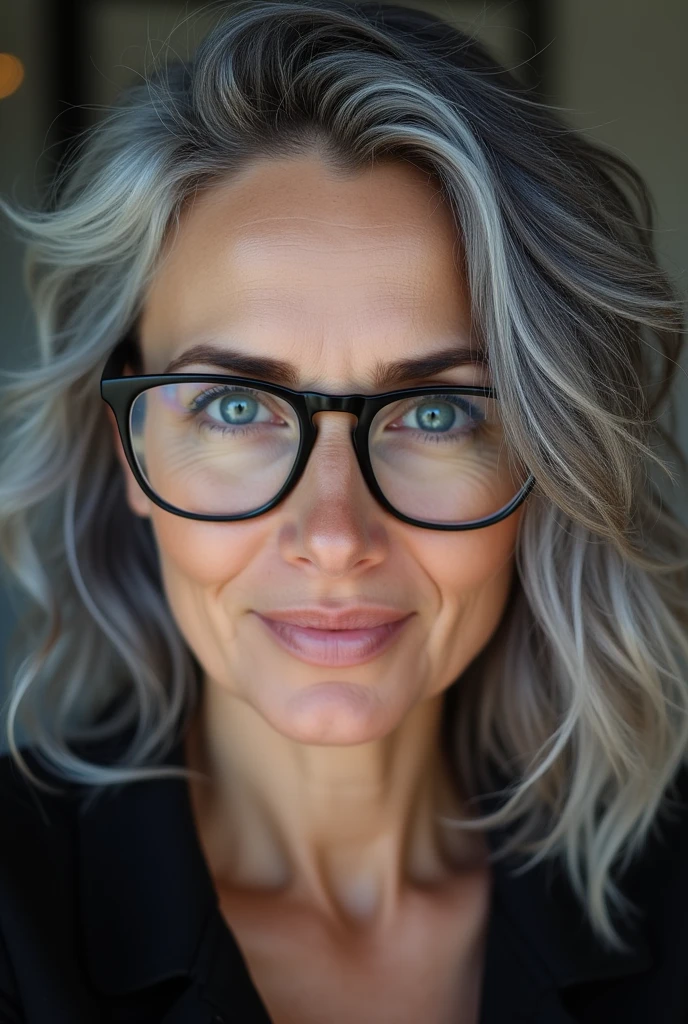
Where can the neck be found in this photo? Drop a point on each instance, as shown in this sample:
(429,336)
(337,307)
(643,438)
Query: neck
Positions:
(348,829)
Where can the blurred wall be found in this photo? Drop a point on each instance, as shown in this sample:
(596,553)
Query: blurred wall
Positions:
(619,67)
(23,123)
(616,68)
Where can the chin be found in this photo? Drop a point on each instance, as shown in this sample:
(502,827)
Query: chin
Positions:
(334,713)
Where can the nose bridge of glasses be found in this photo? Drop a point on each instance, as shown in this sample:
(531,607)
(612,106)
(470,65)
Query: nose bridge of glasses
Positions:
(316,403)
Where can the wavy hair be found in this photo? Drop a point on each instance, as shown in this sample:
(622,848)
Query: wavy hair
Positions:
(580,699)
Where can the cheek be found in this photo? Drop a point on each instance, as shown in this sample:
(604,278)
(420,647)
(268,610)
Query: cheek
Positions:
(471,573)
(197,561)
(465,563)
(204,554)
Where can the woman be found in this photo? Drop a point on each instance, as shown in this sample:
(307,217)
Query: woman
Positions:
(353,666)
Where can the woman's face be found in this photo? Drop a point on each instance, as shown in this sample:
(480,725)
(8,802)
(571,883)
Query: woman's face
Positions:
(336,277)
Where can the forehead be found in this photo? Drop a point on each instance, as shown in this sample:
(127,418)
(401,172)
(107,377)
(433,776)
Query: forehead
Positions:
(331,272)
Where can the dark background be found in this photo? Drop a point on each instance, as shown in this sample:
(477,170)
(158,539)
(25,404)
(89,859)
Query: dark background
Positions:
(616,68)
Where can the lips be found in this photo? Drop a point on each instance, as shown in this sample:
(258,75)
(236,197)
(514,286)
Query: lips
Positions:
(338,638)
(351,618)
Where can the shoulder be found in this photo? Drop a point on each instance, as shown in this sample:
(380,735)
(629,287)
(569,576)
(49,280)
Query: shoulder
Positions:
(37,849)
(668,833)
(29,812)
(32,813)
(36,872)
(39,879)
(662,862)
(39,821)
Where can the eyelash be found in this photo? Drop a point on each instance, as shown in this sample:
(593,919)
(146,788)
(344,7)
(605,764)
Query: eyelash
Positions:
(203,400)
(427,437)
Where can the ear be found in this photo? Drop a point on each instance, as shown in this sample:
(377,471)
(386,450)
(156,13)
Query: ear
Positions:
(138,502)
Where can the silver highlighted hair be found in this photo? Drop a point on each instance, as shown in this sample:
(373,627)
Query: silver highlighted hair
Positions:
(580,699)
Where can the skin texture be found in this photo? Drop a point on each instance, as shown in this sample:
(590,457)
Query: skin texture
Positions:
(320,818)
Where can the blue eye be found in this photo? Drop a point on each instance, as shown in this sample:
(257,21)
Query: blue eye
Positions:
(231,407)
(437,415)
(235,409)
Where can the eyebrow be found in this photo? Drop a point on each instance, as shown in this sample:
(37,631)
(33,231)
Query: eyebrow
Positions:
(277,371)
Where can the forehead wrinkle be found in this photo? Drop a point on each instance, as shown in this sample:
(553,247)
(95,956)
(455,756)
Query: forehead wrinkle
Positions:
(317,220)
(249,243)
(360,218)
(388,307)
(254,263)
(332,240)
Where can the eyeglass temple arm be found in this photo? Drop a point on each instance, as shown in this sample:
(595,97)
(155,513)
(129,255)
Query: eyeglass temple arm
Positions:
(126,351)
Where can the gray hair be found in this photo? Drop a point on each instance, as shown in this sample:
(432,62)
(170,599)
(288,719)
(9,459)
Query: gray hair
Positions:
(580,697)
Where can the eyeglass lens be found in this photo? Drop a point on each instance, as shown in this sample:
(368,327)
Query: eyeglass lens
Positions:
(219,449)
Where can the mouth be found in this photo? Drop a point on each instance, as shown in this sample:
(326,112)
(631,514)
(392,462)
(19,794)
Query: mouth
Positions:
(335,639)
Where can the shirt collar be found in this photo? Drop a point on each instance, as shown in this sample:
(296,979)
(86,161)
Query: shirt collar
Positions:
(149,906)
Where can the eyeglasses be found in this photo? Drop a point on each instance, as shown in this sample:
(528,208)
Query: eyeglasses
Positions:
(222,448)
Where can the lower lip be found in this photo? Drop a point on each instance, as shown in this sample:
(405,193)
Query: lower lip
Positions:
(341,647)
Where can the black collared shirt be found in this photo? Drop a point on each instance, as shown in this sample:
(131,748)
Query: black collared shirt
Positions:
(108,914)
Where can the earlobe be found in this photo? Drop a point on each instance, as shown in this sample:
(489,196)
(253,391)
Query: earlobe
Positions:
(137,501)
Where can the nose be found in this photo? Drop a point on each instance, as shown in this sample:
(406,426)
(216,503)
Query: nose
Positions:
(332,522)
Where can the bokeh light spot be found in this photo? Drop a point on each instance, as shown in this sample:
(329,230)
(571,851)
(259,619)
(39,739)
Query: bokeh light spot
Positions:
(11,74)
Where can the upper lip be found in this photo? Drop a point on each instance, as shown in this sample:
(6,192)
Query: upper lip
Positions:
(361,617)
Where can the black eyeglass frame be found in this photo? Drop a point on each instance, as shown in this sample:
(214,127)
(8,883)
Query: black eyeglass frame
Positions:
(120,393)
